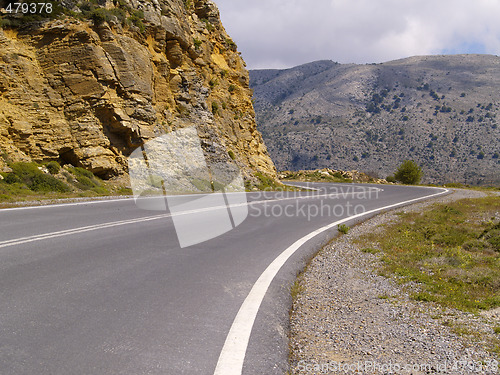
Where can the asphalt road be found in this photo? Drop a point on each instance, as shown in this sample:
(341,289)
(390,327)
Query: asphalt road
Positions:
(105,288)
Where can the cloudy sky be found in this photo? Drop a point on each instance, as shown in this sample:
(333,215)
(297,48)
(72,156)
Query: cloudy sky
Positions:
(286,33)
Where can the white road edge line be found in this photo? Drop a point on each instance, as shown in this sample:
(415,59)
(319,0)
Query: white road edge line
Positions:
(233,353)
(56,205)
(125,198)
(67,232)
(302,187)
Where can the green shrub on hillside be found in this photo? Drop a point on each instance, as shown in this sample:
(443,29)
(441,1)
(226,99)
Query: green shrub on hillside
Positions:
(215,108)
(53,167)
(86,180)
(390,179)
(35,179)
(12,178)
(136,19)
(46,10)
(46,183)
(409,173)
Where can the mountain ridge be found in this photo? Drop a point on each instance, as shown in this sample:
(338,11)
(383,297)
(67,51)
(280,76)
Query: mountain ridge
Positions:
(438,110)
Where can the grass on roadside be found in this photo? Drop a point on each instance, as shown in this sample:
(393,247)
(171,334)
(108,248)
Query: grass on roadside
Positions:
(266,183)
(458,185)
(30,181)
(342,228)
(33,182)
(316,176)
(296,289)
(452,251)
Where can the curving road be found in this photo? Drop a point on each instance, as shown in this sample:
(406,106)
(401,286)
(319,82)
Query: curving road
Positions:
(104,287)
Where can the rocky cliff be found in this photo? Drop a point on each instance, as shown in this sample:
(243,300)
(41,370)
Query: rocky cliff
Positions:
(441,111)
(89,86)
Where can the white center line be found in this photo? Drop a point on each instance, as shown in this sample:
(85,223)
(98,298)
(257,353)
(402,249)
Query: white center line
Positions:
(67,232)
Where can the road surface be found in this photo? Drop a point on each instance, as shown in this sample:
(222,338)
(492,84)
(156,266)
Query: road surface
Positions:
(105,288)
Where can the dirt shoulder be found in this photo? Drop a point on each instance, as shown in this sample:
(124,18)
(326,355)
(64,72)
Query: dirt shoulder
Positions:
(347,318)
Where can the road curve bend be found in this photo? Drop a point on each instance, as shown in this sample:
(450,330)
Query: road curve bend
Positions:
(105,287)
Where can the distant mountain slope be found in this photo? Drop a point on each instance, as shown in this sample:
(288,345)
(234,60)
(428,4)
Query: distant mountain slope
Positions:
(441,111)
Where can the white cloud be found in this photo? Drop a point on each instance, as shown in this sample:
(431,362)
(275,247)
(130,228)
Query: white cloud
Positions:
(277,33)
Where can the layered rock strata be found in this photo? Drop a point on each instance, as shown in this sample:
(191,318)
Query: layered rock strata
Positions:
(88,91)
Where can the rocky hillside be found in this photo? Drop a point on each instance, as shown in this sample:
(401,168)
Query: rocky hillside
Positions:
(91,81)
(441,111)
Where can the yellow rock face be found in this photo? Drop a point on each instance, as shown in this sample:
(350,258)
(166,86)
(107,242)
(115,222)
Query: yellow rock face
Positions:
(90,94)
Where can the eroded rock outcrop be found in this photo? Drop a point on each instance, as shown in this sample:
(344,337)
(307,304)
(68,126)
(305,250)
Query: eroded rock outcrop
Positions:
(88,92)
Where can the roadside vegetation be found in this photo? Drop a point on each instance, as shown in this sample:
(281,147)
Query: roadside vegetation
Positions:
(92,10)
(266,183)
(342,228)
(408,173)
(452,251)
(316,176)
(457,185)
(449,255)
(32,182)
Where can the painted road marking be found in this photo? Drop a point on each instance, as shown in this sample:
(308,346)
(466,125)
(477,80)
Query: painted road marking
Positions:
(67,232)
(233,353)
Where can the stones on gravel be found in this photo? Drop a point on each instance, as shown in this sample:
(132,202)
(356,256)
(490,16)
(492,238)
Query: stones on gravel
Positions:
(348,319)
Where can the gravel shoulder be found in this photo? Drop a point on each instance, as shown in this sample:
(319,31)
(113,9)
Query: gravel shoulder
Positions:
(348,319)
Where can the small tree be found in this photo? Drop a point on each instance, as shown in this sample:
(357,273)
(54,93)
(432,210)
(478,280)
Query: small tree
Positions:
(409,173)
